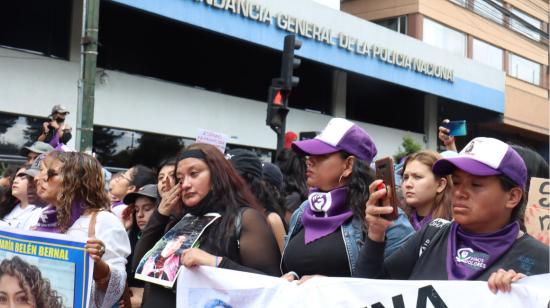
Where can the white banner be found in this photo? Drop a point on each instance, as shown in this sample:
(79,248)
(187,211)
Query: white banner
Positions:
(208,287)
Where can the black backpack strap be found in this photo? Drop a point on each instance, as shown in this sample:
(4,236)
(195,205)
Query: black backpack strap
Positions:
(239,225)
(433,229)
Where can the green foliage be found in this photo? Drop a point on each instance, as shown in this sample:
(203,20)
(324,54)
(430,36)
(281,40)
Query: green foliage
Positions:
(408,147)
(3,167)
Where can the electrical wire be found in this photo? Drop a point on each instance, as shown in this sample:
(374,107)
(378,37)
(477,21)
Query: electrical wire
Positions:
(536,6)
(489,10)
(513,16)
(484,11)
(469,17)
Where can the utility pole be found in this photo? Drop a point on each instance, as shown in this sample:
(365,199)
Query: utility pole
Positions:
(86,83)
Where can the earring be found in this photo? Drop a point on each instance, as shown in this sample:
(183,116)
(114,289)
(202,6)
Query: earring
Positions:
(340,179)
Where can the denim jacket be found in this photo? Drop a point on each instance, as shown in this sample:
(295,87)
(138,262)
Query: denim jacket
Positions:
(353,236)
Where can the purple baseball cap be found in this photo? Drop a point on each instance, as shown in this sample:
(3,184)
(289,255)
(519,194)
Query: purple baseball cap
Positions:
(484,157)
(339,135)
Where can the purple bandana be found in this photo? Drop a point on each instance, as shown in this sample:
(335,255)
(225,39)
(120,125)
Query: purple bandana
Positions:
(48,219)
(417,225)
(326,213)
(469,255)
(117,203)
(55,140)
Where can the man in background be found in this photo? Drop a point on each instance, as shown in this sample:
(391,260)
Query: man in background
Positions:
(56,127)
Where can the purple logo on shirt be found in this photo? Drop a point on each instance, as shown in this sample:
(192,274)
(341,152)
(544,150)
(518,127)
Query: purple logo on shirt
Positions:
(472,259)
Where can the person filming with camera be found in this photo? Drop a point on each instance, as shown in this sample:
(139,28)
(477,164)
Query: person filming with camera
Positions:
(55,130)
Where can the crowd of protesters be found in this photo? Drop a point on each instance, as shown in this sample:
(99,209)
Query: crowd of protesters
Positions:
(314,212)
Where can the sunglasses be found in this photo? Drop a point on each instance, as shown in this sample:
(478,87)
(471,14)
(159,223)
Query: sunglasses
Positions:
(21,175)
(51,173)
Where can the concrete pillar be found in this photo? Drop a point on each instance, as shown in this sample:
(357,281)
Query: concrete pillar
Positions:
(430,121)
(338,101)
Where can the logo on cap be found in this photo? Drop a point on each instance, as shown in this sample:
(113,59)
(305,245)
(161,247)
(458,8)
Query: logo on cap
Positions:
(469,148)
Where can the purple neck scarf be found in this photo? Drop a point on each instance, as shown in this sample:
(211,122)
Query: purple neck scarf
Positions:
(417,225)
(55,140)
(117,203)
(326,213)
(48,220)
(469,255)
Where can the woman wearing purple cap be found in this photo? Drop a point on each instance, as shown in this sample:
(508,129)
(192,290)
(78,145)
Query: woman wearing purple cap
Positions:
(327,230)
(484,242)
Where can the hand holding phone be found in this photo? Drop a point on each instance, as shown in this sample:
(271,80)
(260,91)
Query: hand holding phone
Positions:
(385,172)
(456,128)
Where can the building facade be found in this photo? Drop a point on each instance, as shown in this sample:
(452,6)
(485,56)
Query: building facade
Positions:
(508,35)
(168,68)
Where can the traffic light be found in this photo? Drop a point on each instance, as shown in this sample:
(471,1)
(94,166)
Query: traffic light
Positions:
(279,91)
(289,62)
(276,109)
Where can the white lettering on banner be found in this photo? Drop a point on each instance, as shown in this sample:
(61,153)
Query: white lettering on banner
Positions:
(260,13)
(215,287)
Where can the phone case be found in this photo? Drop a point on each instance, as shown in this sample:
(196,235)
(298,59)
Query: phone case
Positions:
(385,172)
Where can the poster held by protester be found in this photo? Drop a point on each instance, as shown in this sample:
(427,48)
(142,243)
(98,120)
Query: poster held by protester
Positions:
(56,268)
(209,137)
(206,286)
(537,211)
(161,264)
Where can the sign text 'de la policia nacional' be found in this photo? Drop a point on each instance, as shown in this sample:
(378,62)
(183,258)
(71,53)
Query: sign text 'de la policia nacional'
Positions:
(301,27)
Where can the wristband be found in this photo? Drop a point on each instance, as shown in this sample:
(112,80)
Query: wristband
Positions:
(216,262)
(293,274)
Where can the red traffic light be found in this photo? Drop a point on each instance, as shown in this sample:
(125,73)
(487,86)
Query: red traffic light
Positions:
(278,99)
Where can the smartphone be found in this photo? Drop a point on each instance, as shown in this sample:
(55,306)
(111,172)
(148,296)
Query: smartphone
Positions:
(385,172)
(456,128)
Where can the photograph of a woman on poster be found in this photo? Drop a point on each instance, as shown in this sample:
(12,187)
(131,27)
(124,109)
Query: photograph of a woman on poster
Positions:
(165,265)
(22,285)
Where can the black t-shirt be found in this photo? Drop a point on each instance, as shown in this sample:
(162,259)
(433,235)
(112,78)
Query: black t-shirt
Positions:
(255,251)
(293,201)
(424,255)
(325,256)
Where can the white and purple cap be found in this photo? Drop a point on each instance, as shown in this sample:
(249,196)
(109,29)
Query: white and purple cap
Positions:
(485,157)
(339,135)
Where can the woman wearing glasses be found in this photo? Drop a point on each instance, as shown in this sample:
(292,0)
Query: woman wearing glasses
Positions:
(18,212)
(72,183)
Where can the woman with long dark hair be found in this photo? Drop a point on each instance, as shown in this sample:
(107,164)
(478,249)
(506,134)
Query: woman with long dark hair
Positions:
(249,166)
(327,231)
(239,240)
(295,191)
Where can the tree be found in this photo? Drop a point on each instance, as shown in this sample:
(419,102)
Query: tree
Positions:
(409,147)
